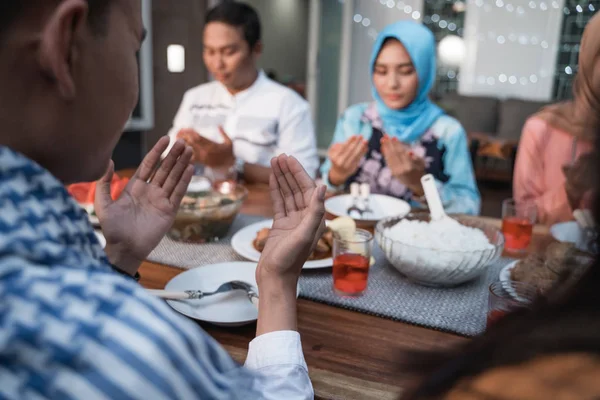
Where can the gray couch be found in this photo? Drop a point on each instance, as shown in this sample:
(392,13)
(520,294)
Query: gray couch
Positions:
(494,128)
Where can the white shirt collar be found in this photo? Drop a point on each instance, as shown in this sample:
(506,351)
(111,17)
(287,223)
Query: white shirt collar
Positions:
(236,98)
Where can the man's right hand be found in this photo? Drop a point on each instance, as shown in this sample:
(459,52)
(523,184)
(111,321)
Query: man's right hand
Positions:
(345,159)
(297,226)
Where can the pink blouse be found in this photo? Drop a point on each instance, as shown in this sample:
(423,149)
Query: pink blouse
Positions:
(543,151)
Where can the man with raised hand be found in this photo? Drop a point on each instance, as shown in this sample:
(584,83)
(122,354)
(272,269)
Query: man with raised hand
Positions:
(73,322)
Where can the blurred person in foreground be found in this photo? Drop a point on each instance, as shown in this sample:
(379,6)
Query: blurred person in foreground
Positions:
(401,136)
(553,169)
(550,351)
(242,119)
(74,324)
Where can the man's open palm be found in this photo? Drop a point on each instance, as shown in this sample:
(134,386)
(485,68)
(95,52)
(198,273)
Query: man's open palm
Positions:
(135,223)
(298,222)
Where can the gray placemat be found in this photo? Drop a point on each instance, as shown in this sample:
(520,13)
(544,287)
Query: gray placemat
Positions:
(185,256)
(462,309)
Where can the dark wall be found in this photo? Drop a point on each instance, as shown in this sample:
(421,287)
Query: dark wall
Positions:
(129,153)
(173,22)
(284,22)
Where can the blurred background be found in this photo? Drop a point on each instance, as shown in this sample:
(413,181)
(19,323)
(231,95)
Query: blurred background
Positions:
(499,61)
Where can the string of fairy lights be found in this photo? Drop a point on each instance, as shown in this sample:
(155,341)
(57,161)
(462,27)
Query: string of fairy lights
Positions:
(518,8)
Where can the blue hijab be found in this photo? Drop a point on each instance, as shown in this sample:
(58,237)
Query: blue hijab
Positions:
(411,122)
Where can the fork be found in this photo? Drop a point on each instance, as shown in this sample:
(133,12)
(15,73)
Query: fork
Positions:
(354,211)
(199,294)
(365,192)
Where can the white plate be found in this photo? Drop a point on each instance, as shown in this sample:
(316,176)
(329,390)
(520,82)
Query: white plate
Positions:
(225,309)
(94,220)
(506,281)
(89,208)
(382,206)
(505,274)
(242,244)
(569,232)
(101,238)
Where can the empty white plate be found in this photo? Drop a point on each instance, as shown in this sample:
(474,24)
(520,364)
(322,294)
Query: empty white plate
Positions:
(225,309)
(243,239)
(382,207)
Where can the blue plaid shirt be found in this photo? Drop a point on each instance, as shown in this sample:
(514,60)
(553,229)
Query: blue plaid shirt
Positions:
(72,328)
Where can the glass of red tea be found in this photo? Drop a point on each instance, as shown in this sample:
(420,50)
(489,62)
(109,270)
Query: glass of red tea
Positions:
(518,219)
(508,296)
(351,262)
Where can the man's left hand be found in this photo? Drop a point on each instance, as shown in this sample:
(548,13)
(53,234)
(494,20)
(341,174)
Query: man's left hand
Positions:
(134,224)
(405,167)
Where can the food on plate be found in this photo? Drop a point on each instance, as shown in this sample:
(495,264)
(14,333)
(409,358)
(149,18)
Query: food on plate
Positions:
(207,215)
(342,227)
(84,193)
(534,271)
(542,270)
(322,250)
(261,239)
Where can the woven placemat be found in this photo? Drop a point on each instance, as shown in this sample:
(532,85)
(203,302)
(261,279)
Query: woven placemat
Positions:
(462,309)
(186,256)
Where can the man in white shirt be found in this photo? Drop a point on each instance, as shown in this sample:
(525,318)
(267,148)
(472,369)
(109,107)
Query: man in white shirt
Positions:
(242,119)
(73,322)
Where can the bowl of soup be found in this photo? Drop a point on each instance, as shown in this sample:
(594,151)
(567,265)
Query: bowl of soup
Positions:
(206,214)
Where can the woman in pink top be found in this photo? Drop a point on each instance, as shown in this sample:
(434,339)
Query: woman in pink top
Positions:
(550,169)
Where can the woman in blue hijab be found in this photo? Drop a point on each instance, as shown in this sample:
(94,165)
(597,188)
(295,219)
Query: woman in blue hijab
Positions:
(401,136)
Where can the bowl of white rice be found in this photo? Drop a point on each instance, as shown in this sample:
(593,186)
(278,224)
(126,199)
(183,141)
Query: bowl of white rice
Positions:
(447,252)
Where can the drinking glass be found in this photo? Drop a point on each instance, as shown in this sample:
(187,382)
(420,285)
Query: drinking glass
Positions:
(351,262)
(221,174)
(518,219)
(505,297)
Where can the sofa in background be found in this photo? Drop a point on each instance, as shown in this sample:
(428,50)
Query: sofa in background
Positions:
(494,128)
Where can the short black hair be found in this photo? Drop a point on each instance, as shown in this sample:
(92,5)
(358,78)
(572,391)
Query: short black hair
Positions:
(11,11)
(239,15)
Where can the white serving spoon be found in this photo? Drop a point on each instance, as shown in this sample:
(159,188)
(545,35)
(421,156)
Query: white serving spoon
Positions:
(436,209)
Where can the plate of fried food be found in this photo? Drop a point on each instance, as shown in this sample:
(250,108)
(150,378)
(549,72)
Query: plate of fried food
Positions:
(250,241)
(544,269)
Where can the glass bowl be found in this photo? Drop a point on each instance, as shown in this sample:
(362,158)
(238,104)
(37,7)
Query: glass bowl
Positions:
(434,267)
(207,216)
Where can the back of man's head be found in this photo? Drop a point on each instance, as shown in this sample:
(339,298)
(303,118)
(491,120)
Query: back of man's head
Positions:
(238,15)
(69,79)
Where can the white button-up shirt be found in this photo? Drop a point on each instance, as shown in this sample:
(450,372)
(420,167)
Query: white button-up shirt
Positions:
(265,120)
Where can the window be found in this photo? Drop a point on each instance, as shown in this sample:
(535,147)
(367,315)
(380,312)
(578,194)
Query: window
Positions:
(445,17)
(577,13)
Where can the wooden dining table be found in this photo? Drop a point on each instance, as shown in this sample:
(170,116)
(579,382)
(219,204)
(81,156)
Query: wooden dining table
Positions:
(350,355)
